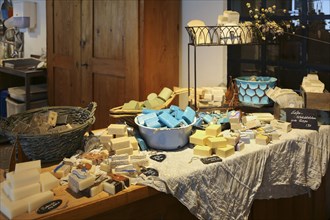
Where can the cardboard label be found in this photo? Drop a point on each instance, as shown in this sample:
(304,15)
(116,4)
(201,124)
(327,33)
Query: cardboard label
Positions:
(302,118)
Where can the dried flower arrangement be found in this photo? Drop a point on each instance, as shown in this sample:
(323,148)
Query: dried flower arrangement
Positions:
(267,27)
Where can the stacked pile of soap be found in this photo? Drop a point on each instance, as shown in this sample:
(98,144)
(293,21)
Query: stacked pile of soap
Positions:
(171,118)
(311,83)
(26,189)
(43,123)
(153,101)
(211,141)
(209,96)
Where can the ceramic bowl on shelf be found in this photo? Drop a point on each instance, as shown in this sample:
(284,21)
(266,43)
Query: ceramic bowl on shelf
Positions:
(165,138)
(252,89)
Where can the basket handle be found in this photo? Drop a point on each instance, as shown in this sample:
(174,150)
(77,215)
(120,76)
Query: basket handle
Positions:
(91,108)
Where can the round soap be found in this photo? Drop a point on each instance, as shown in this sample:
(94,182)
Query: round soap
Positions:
(151,96)
(165,94)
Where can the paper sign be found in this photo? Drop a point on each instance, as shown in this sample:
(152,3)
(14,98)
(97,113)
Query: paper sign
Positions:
(302,118)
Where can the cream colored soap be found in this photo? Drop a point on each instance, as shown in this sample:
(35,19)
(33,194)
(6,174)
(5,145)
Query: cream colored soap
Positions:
(18,193)
(213,130)
(117,129)
(140,162)
(19,179)
(134,143)
(48,181)
(119,143)
(127,150)
(252,124)
(106,138)
(106,167)
(232,140)
(36,164)
(225,151)
(12,209)
(77,184)
(202,150)
(37,200)
(62,171)
(216,142)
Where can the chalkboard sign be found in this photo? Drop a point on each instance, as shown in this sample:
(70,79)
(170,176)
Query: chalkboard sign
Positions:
(302,118)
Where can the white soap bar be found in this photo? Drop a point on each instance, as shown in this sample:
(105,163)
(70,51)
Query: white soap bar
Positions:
(20,179)
(119,143)
(35,201)
(128,150)
(119,157)
(36,164)
(93,190)
(112,187)
(119,162)
(18,193)
(48,181)
(253,124)
(138,157)
(117,129)
(124,168)
(105,166)
(140,162)
(106,138)
(12,209)
(62,171)
(79,184)
(134,143)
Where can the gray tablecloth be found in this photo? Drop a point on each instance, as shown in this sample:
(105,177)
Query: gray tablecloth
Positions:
(290,166)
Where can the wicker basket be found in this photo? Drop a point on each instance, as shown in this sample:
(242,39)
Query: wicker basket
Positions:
(128,116)
(56,146)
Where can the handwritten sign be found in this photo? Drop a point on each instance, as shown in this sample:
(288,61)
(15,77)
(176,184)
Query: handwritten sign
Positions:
(302,118)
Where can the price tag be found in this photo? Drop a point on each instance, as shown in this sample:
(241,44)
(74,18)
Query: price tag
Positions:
(212,159)
(302,118)
(49,206)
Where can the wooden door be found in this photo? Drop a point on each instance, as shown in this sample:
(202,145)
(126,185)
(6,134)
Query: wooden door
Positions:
(93,54)
(110,39)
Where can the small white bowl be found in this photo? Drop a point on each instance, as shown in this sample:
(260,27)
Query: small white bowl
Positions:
(165,138)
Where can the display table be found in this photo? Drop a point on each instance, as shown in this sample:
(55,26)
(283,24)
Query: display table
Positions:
(289,167)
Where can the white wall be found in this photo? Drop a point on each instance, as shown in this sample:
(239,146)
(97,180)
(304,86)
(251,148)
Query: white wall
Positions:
(211,61)
(35,40)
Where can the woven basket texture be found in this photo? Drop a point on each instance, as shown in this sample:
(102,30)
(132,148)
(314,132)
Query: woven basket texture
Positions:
(51,147)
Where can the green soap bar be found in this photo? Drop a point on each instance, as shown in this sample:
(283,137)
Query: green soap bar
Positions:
(165,94)
(131,105)
(151,96)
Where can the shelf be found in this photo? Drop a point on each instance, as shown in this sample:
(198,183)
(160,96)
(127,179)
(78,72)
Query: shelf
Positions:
(222,35)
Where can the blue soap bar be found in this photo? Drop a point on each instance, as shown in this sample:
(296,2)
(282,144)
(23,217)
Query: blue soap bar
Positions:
(183,122)
(178,114)
(174,108)
(189,115)
(223,120)
(168,120)
(207,118)
(199,122)
(153,124)
(142,118)
(148,111)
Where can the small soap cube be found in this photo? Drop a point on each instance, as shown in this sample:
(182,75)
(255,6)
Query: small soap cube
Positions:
(225,151)
(216,142)
(62,171)
(213,130)
(202,150)
(117,129)
(168,120)
(77,184)
(134,143)
(262,139)
(119,143)
(198,138)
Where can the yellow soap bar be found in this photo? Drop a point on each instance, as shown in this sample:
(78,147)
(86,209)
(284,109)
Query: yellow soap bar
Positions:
(202,150)
(134,143)
(198,138)
(225,151)
(262,139)
(127,150)
(131,105)
(213,130)
(121,142)
(232,140)
(117,129)
(105,138)
(216,142)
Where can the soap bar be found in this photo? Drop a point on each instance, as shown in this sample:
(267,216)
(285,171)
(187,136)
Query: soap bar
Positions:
(119,143)
(62,171)
(213,130)
(37,200)
(12,209)
(118,162)
(216,142)
(141,118)
(252,124)
(134,143)
(225,151)
(282,125)
(168,120)
(36,164)
(48,181)
(262,139)
(239,146)
(78,184)
(105,166)
(140,162)
(198,138)
(189,115)
(153,123)
(112,187)
(105,138)
(96,188)
(235,126)
(250,133)
(202,150)
(245,138)
(52,118)
(131,105)
(18,193)
(124,168)
(232,140)
(165,94)
(127,150)
(19,179)
(117,129)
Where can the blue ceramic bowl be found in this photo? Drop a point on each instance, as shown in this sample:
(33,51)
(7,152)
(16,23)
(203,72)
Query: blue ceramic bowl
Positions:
(254,92)
(165,138)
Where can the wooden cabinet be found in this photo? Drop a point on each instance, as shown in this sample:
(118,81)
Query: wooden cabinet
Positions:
(111,51)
